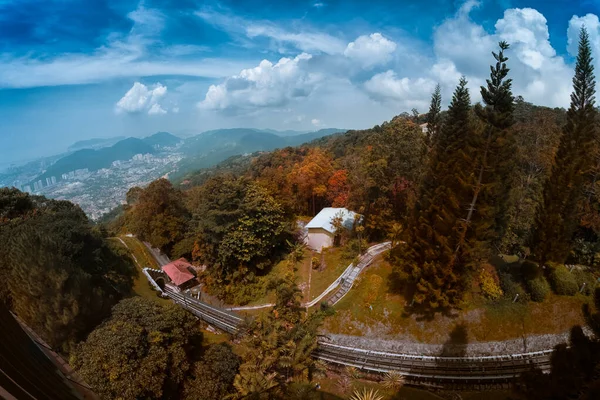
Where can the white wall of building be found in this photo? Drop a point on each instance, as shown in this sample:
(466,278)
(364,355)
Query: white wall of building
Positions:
(318,238)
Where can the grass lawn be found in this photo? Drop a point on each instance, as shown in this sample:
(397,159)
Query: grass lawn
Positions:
(141,286)
(485,320)
(141,252)
(335,264)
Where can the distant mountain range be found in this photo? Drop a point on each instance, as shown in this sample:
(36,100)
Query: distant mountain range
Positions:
(124,149)
(162,139)
(211,147)
(96,143)
(200,151)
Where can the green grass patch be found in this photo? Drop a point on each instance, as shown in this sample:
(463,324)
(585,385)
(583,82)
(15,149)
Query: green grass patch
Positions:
(485,320)
(141,285)
(141,252)
(335,264)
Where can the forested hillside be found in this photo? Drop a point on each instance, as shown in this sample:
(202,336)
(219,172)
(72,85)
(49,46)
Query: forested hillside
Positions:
(59,274)
(476,184)
(496,180)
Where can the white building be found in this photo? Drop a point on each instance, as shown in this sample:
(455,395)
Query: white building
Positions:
(321,232)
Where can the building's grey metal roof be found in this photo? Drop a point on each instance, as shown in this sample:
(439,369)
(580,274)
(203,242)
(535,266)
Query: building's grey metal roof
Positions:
(324,218)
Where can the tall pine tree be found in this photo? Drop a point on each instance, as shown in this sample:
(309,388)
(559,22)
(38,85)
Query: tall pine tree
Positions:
(433,116)
(564,194)
(486,212)
(430,254)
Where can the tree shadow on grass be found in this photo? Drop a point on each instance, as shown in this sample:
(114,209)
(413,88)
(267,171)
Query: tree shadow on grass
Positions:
(408,289)
(456,345)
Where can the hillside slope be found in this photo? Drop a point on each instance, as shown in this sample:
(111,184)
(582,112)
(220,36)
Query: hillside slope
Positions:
(97,159)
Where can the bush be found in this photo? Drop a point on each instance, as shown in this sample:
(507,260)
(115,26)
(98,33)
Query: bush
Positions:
(489,286)
(538,288)
(562,281)
(530,270)
(586,277)
(509,286)
(315,262)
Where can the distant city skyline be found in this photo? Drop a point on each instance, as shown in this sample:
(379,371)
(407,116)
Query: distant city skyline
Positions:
(74,70)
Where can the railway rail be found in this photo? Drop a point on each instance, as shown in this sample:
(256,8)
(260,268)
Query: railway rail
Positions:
(480,371)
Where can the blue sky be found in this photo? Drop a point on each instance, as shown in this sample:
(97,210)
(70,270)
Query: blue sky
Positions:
(72,70)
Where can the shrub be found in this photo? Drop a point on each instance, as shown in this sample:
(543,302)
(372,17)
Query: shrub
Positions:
(562,281)
(586,277)
(489,286)
(538,288)
(315,262)
(530,270)
(509,286)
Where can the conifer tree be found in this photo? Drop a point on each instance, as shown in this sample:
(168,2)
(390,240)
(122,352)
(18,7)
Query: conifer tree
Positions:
(486,212)
(564,193)
(430,251)
(433,116)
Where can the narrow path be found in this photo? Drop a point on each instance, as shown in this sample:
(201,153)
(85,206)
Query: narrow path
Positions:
(343,283)
(346,280)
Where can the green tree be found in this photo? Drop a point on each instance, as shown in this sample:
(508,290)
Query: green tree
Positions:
(212,377)
(536,142)
(143,351)
(279,346)
(564,193)
(488,207)
(433,118)
(157,214)
(384,175)
(253,239)
(59,274)
(433,254)
(239,227)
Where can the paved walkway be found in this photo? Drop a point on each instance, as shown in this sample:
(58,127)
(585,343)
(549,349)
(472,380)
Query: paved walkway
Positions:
(339,287)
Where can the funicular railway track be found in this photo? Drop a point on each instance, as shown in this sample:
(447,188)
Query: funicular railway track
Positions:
(456,372)
(484,370)
(219,318)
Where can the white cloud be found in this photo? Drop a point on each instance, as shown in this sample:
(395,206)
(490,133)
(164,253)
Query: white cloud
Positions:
(406,92)
(315,122)
(156,109)
(141,98)
(370,50)
(318,5)
(592,25)
(463,47)
(138,53)
(267,85)
(303,38)
(460,47)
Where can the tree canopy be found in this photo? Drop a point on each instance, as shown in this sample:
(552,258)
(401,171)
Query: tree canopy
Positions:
(60,275)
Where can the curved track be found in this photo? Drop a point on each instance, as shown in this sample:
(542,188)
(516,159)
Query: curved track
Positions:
(480,371)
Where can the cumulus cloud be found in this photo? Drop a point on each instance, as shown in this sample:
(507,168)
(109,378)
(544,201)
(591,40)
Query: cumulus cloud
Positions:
(267,85)
(141,98)
(463,47)
(406,91)
(315,122)
(460,47)
(370,50)
(592,25)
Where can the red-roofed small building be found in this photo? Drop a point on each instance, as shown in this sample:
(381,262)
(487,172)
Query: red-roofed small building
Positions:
(181,273)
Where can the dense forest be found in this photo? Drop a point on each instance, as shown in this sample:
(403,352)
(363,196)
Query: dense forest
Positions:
(500,177)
